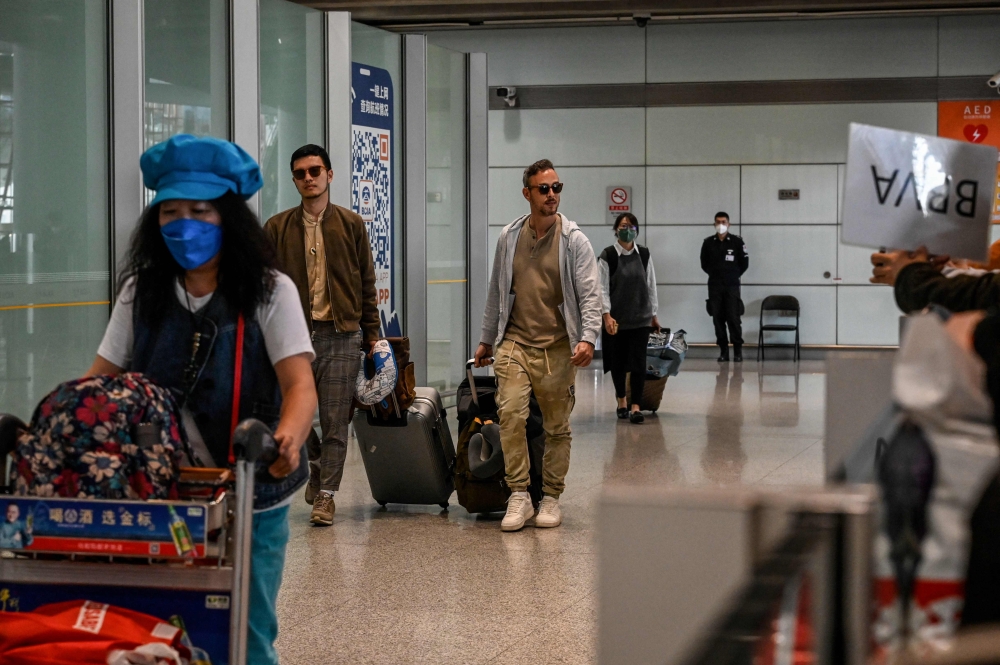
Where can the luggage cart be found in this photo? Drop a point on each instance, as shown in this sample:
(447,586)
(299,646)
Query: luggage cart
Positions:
(187,562)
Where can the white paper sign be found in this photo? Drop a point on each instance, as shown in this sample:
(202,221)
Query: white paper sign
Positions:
(904,190)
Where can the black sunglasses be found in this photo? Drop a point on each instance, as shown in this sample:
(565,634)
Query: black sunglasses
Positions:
(314,171)
(543,189)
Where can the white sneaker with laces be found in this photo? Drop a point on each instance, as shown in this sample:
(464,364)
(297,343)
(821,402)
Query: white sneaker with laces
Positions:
(549,514)
(519,511)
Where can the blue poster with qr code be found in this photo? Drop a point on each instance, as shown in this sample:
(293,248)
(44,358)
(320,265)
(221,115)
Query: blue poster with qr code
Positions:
(371,179)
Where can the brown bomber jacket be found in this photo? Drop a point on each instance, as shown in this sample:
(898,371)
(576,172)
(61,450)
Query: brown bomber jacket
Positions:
(350,274)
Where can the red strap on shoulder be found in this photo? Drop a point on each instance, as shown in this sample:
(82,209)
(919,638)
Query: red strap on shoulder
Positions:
(237,384)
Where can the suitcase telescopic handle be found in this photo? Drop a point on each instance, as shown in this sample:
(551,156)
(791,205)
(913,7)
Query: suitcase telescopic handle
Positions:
(470,363)
(472,379)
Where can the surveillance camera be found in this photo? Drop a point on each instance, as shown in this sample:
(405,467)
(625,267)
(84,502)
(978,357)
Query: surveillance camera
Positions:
(641,19)
(509,95)
(994,81)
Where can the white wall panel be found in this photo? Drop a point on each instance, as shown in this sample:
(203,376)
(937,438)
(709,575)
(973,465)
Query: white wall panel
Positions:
(818,321)
(599,236)
(780,134)
(817,185)
(554,56)
(969,45)
(841,171)
(692,194)
(683,306)
(854,264)
(492,236)
(676,253)
(994,233)
(790,254)
(568,137)
(582,200)
(506,202)
(867,315)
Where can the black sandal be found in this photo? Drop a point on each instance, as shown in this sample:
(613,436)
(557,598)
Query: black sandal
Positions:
(622,412)
(636,417)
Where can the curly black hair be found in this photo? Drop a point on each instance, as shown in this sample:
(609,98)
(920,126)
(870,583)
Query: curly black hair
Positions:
(247,263)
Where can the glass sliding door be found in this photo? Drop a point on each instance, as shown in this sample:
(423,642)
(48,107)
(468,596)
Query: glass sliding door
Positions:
(54,247)
(291,95)
(187,69)
(447,218)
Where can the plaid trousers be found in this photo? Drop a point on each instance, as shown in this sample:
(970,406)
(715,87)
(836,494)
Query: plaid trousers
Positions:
(336,367)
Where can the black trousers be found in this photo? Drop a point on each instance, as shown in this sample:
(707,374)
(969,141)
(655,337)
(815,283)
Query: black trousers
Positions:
(982,581)
(630,356)
(726,309)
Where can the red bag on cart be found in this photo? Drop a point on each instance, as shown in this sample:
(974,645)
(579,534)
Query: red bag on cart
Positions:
(86,633)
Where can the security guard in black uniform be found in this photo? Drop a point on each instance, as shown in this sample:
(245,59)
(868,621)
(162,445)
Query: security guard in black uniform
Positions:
(724,257)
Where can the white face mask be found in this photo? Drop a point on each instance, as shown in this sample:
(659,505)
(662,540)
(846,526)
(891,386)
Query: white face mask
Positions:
(721,228)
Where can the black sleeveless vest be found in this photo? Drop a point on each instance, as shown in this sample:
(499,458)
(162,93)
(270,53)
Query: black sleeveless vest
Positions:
(164,354)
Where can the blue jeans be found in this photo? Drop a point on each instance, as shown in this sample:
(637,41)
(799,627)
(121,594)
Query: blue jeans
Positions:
(267,560)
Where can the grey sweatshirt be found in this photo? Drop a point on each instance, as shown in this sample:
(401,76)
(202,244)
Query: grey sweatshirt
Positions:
(581,286)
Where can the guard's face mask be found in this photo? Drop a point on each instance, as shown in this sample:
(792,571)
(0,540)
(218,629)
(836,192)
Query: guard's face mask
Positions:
(192,243)
(722,229)
(627,234)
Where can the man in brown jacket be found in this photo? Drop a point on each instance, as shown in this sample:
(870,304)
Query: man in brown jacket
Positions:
(325,250)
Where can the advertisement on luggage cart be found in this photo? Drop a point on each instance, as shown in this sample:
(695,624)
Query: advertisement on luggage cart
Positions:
(371,179)
(163,530)
(82,620)
(975,121)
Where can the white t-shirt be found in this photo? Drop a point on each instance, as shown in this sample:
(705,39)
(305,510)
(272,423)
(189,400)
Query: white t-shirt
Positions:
(281,320)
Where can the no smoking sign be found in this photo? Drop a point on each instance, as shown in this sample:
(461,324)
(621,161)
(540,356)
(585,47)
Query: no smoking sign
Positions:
(618,200)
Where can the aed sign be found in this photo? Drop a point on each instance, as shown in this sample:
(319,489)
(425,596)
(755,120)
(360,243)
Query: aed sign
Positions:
(619,200)
(904,190)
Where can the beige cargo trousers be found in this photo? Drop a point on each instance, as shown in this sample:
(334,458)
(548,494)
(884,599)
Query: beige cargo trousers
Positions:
(521,369)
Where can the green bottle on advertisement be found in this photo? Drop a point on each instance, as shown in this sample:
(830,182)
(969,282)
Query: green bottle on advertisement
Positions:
(181,534)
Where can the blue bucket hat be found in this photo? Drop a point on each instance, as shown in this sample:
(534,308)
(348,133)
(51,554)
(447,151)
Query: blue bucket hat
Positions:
(199,168)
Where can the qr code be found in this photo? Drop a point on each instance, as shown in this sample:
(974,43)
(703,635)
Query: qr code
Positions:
(371,190)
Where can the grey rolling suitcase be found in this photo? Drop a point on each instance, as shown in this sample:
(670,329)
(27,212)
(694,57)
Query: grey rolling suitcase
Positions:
(411,463)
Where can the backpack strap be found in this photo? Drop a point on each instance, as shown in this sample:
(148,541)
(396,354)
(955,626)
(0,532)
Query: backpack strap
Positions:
(610,257)
(644,255)
(237,384)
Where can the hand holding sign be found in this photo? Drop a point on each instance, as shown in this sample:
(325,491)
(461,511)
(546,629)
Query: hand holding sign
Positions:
(908,191)
(889,264)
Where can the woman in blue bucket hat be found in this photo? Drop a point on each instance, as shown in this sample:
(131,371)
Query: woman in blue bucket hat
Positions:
(200,275)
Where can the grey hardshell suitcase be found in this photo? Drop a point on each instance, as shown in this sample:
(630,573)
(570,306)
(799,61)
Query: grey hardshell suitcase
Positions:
(411,463)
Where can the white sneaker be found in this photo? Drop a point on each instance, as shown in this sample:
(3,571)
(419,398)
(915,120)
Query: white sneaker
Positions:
(549,514)
(519,511)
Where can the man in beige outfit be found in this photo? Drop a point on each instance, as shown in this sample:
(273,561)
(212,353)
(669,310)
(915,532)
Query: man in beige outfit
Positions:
(543,316)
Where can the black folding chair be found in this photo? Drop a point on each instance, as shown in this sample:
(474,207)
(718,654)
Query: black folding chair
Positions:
(786,305)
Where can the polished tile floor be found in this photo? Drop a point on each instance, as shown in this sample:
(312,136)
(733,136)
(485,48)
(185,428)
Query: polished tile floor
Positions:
(415,584)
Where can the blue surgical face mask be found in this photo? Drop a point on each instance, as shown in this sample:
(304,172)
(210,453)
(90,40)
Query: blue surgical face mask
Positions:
(193,243)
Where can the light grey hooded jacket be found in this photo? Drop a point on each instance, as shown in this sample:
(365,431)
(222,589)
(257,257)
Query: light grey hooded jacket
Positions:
(581,285)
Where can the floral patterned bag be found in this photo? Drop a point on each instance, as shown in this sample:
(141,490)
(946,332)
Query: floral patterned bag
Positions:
(105,437)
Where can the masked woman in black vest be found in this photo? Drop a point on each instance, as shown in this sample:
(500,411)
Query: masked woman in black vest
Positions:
(628,289)
(200,283)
